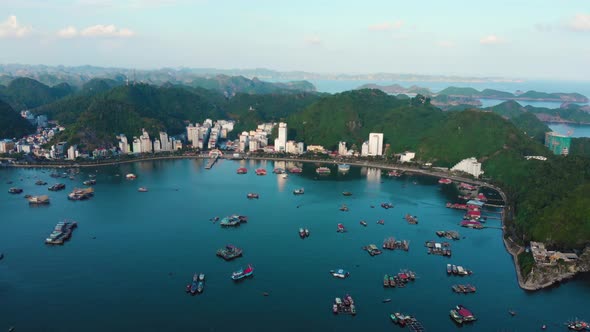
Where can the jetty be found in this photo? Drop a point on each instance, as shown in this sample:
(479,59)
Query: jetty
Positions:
(229,252)
(62,232)
(211,161)
(392,244)
(436,248)
(344,305)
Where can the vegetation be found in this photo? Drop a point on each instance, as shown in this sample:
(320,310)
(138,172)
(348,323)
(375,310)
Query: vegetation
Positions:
(529,95)
(12,124)
(25,93)
(231,85)
(526,263)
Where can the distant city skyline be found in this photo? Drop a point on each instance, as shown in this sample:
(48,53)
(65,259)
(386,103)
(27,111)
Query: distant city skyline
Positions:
(542,39)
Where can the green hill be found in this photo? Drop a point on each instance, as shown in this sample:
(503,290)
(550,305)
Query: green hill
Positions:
(231,85)
(531,126)
(496,94)
(508,109)
(458,91)
(25,93)
(12,125)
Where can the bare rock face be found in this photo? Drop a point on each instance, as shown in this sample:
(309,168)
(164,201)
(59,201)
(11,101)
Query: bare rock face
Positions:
(544,276)
(583,263)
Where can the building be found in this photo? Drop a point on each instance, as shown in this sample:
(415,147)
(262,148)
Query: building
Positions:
(136,145)
(58,151)
(244,141)
(253,145)
(123,144)
(375,144)
(281,140)
(157,146)
(176,144)
(558,144)
(407,157)
(146,143)
(315,149)
(469,166)
(342,148)
(365,149)
(6,146)
(42,121)
(73,152)
(165,142)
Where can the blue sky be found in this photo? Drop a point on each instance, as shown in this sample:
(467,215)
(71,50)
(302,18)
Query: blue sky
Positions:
(547,39)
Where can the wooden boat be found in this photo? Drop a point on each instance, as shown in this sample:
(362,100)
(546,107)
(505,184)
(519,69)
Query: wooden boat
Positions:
(38,200)
(142,189)
(252,196)
(364,223)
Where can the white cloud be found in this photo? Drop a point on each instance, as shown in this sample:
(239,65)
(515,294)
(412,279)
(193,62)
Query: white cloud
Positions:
(386,26)
(445,44)
(313,41)
(12,28)
(68,32)
(491,40)
(580,22)
(106,31)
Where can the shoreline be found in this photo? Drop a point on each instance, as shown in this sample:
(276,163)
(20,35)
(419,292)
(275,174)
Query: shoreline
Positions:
(427,172)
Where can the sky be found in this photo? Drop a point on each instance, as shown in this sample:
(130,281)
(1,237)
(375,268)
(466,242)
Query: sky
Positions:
(530,39)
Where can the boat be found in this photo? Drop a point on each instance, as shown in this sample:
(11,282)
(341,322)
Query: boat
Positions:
(445,181)
(242,170)
(142,189)
(252,195)
(260,171)
(340,273)
(89,182)
(1,255)
(381,222)
(343,208)
(454,269)
(394,173)
(323,171)
(413,220)
(306,232)
(343,167)
(364,223)
(131,176)
(512,313)
(386,281)
(233,220)
(386,300)
(449,269)
(299,191)
(81,194)
(14,190)
(302,233)
(386,205)
(346,193)
(295,170)
(40,183)
(201,277)
(284,175)
(340,228)
(462,315)
(242,273)
(200,287)
(578,325)
(192,287)
(278,170)
(61,232)
(38,200)
(229,252)
(57,187)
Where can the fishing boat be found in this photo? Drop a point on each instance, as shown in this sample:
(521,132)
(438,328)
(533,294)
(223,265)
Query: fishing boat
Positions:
(61,233)
(381,222)
(81,194)
(323,171)
(340,228)
(346,193)
(578,325)
(299,191)
(89,182)
(242,273)
(462,315)
(242,170)
(386,281)
(340,273)
(302,233)
(201,284)
(38,200)
(131,176)
(233,220)
(412,220)
(252,196)
(445,181)
(449,269)
(278,170)
(57,187)
(260,171)
(295,170)
(192,287)
(343,167)
(40,183)
(14,190)
(142,189)
(229,252)
(343,208)
(386,205)
(364,223)
(306,232)
(386,300)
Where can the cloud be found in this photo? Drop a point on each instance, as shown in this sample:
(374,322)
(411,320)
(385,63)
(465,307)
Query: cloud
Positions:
(386,26)
(445,44)
(313,41)
(12,28)
(68,32)
(580,22)
(543,27)
(491,40)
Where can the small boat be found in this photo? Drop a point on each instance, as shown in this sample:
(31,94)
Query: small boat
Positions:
(381,222)
(394,173)
(449,269)
(386,300)
(252,196)
(340,228)
(57,187)
(344,208)
(364,223)
(142,189)
(299,191)
(454,268)
(346,193)
(131,176)
(340,273)
(284,175)
(260,171)
(14,190)
(89,182)
(40,183)
(578,325)
(343,167)
(512,313)
(242,170)
(201,277)
(307,232)
(387,206)
(302,233)
(323,171)
(193,286)
(278,170)
(445,181)
(39,200)
(295,170)
(242,273)
(462,315)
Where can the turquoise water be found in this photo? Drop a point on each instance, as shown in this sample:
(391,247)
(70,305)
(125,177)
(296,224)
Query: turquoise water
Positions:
(573,129)
(127,264)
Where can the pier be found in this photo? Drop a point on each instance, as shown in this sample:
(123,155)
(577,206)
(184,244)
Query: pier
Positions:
(211,161)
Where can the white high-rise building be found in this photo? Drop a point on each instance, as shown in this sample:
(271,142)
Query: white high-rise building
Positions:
(146,142)
(136,145)
(157,145)
(192,134)
(244,142)
(342,148)
(123,144)
(165,142)
(253,145)
(72,152)
(375,144)
(281,141)
(469,165)
(365,149)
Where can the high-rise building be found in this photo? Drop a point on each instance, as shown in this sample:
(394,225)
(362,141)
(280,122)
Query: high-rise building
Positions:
(253,145)
(157,145)
(136,145)
(146,142)
(165,142)
(375,144)
(365,149)
(192,134)
(558,144)
(123,144)
(281,141)
(6,146)
(342,148)
(72,152)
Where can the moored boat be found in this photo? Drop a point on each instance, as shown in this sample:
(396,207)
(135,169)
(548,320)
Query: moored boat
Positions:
(445,181)
(340,228)
(38,200)
(449,269)
(364,223)
(578,325)
(302,233)
(193,286)
(343,167)
(131,176)
(252,195)
(323,171)
(142,189)
(57,187)
(61,233)
(295,170)
(260,171)
(15,190)
(386,205)
(306,232)
(346,193)
(81,194)
(339,273)
(242,170)
(278,170)
(462,315)
(40,183)
(229,252)
(89,182)
(299,191)
(242,273)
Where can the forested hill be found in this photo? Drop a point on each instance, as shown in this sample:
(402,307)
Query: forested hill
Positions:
(25,93)
(12,124)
